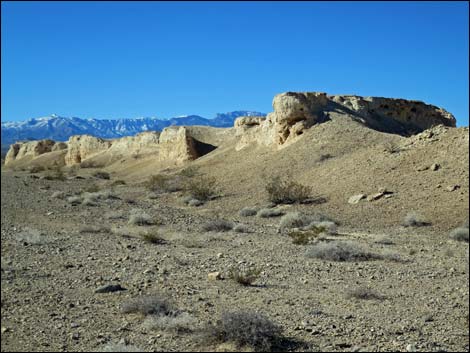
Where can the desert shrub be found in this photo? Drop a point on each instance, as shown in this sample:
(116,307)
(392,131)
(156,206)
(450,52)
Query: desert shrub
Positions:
(201,188)
(245,277)
(36,169)
(31,236)
(294,220)
(218,225)
(118,347)
(159,183)
(148,305)
(241,228)
(412,219)
(286,191)
(269,212)
(189,172)
(195,203)
(304,237)
(55,173)
(74,200)
(244,329)
(363,293)
(327,227)
(179,323)
(153,238)
(248,211)
(340,251)
(139,218)
(92,198)
(102,175)
(460,234)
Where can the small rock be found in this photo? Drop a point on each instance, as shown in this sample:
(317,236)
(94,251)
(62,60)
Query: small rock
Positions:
(375,196)
(74,325)
(214,276)
(451,188)
(356,198)
(220,255)
(49,213)
(435,167)
(410,348)
(109,288)
(76,336)
(422,168)
(5,329)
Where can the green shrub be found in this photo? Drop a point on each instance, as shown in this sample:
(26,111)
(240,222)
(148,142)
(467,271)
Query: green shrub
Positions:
(304,237)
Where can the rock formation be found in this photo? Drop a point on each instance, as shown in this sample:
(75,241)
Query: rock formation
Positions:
(81,147)
(31,149)
(296,112)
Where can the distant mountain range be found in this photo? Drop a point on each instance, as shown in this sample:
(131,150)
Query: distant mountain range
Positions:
(61,128)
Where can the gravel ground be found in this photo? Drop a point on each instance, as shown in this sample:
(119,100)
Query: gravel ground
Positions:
(52,266)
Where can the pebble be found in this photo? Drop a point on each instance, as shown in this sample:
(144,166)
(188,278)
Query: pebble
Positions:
(213,276)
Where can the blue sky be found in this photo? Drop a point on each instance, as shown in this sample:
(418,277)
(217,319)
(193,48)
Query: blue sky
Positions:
(130,59)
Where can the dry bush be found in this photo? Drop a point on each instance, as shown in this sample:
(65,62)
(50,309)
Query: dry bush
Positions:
(114,215)
(201,188)
(31,236)
(55,173)
(341,251)
(460,234)
(153,238)
(74,200)
(294,220)
(36,169)
(245,277)
(126,232)
(140,218)
(327,227)
(218,225)
(363,293)
(245,329)
(304,237)
(102,175)
(412,219)
(162,183)
(241,228)
(182,322)
(149,305)
(269,212)
(248,212)
(384,240)
(286,191)
(195,203)
(189,172)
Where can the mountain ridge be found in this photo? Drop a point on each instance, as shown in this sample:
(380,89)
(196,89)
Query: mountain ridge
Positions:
(60,128)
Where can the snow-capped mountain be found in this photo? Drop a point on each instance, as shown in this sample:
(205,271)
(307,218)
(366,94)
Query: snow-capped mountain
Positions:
(61,128)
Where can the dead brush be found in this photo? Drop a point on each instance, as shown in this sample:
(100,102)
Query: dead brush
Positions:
(245,277)
(304,237)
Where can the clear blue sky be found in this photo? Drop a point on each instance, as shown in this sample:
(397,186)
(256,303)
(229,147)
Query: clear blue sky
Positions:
(130,59)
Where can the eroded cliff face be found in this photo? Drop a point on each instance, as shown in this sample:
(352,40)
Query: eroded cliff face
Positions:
(81,147)
(173,144)
(296,112)
(30,149)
